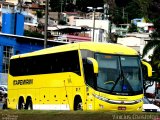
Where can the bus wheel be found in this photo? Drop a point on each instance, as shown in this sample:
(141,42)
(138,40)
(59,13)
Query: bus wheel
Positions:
(78,103)
(21,103)
(29,105)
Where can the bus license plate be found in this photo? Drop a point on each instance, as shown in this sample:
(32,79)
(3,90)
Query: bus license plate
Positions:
(121,108)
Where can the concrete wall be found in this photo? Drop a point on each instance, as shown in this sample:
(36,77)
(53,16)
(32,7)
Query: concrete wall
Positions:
(103,24)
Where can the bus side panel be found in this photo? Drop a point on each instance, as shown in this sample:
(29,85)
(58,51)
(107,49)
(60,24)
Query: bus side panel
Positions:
(36,99)
(44,97)
(90,100)
(69,97)
(13,99)
(57,98)
(75,87)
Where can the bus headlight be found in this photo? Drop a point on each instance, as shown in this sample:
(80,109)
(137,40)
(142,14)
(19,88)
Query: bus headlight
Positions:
(117,101)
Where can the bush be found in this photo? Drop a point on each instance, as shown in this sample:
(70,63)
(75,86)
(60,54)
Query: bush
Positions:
(33,34)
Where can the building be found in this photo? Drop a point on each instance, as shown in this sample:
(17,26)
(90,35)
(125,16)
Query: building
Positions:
(27,8)
(121,29)
(15,2)
(100,28)
(136,41)
(13,42)
(70,33)
(142,25)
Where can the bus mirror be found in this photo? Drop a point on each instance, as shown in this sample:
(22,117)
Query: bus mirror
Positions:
(94,63)
(147,68)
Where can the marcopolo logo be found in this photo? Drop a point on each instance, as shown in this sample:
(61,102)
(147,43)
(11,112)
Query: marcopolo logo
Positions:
(23,82)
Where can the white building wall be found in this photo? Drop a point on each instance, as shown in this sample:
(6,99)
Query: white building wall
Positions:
(103,24)
(101,28)
(12,1)
(135,43)
(15,2)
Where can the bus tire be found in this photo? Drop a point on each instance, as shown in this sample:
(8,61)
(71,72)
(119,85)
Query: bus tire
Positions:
(29,105)
(4,105)
(21,103)
(77,103)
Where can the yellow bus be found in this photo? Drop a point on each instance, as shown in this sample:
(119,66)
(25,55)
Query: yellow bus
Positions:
(77,76)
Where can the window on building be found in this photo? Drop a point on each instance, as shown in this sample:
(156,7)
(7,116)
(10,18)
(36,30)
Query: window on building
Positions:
(7,53)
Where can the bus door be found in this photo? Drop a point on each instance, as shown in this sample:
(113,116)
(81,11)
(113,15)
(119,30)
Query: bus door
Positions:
(90,76)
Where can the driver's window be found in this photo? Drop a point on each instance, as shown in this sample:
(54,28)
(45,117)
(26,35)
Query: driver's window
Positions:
(88,73)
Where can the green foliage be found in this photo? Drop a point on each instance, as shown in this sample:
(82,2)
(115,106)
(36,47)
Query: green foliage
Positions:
(150,45)
(155,62)
(62,22)
(56,5)
(144,6)
(70,7)
(40,26)
(154,44)
(81,5)
(133,10)
(33,34)
(122,3)
(130,9)
(39,13)
(132,28)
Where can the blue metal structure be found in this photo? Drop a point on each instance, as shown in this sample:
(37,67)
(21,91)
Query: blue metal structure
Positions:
(13,42)
(18,45)
(8,23)
(19,24)
(13,23)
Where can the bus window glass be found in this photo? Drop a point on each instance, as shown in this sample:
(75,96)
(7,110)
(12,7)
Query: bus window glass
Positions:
(119,74)
(47,63)
(132,73)
(108,71)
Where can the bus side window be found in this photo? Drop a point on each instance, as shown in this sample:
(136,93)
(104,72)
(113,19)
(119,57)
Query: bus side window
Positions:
(88,73)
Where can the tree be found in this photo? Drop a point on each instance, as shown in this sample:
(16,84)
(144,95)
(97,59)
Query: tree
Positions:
(33,34)
(39,14)
(133,10)
(144,6)
(122,3)
(111,3)
(133,28)
(154,44)
(56,5)
(62,22)
(154,9)
(70,7)
(81,5)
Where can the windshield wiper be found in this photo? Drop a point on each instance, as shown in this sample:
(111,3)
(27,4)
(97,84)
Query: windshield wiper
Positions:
(122,77)
(129,86)
(119,77)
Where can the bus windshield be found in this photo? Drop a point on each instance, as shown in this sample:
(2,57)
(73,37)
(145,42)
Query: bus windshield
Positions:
(119,75)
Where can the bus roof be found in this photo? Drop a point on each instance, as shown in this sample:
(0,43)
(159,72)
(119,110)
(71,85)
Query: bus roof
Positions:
(109,48)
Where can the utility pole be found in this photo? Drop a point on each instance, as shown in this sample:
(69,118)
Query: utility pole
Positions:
(46,24)
(93,16)
(123,13)
(93,23)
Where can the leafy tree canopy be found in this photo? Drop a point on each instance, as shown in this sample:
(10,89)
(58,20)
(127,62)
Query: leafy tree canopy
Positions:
(81,5)
(33,34)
